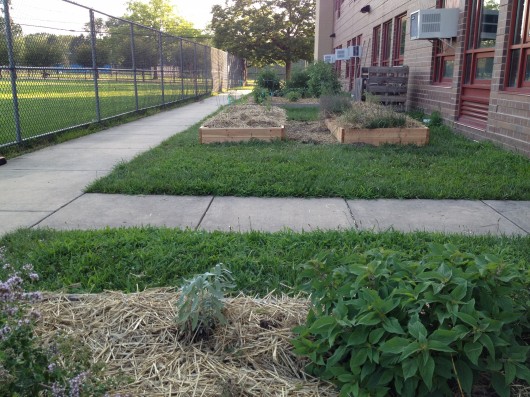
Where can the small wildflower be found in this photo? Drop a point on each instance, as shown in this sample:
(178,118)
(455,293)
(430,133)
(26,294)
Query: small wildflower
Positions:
(52,367)
(28,267)
(34,276)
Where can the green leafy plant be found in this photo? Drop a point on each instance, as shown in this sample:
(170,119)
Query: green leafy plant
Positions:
(299,81)
(436,119)
(260,95)
(293,96)
(200,304)
(322,80)
(269,80)
(381,325)
(29,368)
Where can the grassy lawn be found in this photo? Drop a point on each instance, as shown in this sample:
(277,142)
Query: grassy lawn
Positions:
(450,167)
(131,259)
(51,105)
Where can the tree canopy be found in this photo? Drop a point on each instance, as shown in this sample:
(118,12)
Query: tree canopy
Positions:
(160,15)
(266,31)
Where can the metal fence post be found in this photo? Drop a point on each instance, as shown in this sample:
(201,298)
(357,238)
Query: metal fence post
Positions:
(205,70)
(182,68)
(133,58)
(195,67)
(94,63)
(161,54)
(12,71)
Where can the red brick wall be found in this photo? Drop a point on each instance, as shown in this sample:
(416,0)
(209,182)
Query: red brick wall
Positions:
(509,113)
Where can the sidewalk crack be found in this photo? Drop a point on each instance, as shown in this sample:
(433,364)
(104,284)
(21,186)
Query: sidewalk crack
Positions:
(205,212)
(351,215)
(505,217)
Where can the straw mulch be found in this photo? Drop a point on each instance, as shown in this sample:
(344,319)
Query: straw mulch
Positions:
(136,336)
(240,116)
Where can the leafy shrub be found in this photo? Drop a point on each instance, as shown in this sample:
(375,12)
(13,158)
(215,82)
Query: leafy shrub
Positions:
(381,326)
(260,95)
(335,104)
(293,95)
(200,304)
(436,119)
(299,81)
(269,80)
(322,80)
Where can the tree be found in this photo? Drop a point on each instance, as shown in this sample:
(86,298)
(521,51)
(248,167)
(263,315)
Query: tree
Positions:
(160,15)
(43,49)
(266,31)
(18,41)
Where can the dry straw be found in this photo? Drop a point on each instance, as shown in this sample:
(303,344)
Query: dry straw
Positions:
(136,336)
(240,116)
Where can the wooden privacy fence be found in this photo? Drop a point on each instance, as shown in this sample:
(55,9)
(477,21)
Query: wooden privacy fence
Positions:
(387,84)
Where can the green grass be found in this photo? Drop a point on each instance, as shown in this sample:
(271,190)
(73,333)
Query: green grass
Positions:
(131,259)
(450,167)
(54,139)
(51,105)
(303,114)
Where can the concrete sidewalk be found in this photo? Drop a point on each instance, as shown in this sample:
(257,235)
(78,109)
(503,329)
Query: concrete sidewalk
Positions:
(45,189)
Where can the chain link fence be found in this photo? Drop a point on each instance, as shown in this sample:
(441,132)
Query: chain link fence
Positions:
(77,66)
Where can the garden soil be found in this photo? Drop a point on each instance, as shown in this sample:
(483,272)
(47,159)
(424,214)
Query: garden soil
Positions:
(136,337)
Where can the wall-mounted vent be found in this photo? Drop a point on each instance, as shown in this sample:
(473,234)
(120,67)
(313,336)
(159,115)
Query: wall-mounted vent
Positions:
(437,23)
(329,58)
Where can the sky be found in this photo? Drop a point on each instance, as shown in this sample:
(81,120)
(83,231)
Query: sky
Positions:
(57,16)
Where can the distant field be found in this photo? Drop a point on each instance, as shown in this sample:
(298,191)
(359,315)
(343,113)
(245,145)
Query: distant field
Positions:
(48,105)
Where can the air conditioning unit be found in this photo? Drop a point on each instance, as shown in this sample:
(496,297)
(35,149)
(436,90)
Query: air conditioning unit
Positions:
(437,23)
(355,51)
(329,58)
(342,54)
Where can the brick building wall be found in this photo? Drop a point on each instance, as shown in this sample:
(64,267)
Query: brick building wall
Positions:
(508,122)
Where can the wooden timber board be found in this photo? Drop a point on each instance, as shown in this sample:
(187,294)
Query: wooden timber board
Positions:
(211,135)
(398,136)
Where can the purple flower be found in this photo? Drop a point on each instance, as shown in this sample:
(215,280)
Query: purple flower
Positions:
(52,367)
(33,276)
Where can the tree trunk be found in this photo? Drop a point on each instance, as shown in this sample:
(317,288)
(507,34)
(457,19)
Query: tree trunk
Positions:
(288,65)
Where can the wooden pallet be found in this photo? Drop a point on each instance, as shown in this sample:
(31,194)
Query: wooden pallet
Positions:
(213,135)
(387,84)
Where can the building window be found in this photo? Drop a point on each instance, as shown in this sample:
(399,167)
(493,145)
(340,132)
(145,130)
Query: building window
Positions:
(348,62)
(387,37)
(444,53)
(400,36)
(338,65)
(376,45)
(444,63)
(518,64)
(338,6)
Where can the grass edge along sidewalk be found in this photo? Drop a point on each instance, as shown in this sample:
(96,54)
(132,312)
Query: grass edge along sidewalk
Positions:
(137,258)
(450,167)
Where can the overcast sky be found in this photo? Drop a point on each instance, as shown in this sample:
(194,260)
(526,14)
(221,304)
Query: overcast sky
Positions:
(40,15)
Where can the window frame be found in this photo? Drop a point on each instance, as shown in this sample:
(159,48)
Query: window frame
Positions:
(338,65)
(442,53)
(400,38)
(376,45)
(349,61)
(386,43)
(523,47)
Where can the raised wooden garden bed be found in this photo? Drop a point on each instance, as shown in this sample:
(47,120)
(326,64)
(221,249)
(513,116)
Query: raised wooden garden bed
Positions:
(212,135)
(378,136)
